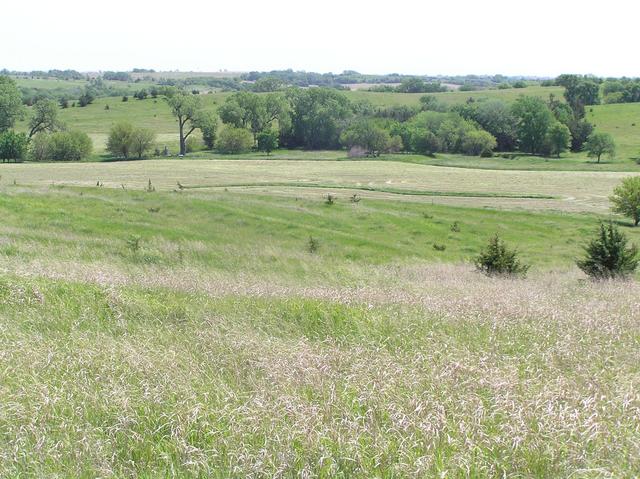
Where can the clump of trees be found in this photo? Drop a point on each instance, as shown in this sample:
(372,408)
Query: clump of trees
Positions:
(208,123)
(316,118)
(254,112)
(141,94)
(127,141)
(417,85)
(431,132)
(87,97)
(61,146)
(624,90)
(372,138)
(13,146)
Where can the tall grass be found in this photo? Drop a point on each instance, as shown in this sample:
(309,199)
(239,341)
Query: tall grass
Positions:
(465,377)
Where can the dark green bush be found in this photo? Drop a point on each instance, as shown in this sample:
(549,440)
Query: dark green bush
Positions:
(234,140)
(498,260)
(608,256)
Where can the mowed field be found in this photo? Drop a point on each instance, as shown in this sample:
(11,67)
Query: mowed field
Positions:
(557,190)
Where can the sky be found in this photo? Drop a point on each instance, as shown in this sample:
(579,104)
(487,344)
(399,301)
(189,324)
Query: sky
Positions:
(541,38)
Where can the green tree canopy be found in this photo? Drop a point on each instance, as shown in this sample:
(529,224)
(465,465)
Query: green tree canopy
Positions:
(234,140)
(187,109)
(533,119)
(13,146)
(599,144)
(207,122)
(11,108)
(626,199)
(579,91)
(267,141)
(44,117)
(366,134)
(252,111)
(317,118)
(558,139)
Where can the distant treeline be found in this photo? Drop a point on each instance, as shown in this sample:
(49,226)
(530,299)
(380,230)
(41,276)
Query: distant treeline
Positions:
(59,74)
(305,79)
(601,90)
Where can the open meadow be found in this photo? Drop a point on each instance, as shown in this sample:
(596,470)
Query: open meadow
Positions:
(239,326)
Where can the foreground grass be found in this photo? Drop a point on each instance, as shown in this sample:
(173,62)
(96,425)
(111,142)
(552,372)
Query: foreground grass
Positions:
(466,377)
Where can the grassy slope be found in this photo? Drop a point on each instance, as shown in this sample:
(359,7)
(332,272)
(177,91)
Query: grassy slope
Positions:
(237,232)
(623,122)
(222,347)
(454,97)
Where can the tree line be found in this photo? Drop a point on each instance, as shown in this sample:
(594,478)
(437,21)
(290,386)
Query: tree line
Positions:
(323,118)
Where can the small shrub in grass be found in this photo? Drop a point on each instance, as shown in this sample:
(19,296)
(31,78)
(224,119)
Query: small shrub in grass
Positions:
(150,188)
(133,243)
(455,227)
(234,140)
(608,256)
(330,199)
(193,144)
(312,245)
(439,247)
(498,260)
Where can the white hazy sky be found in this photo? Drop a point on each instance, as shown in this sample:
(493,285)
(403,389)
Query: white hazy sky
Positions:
(544,38)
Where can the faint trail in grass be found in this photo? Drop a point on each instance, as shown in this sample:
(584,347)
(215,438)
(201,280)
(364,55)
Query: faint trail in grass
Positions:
(397,191)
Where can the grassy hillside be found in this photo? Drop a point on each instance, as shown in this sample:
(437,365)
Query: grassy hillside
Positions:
(623,122)
(454,97)
(195,334)
(236,231)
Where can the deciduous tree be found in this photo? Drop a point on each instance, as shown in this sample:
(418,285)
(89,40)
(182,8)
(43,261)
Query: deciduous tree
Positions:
(11,108)
(187,109)
(44,117)
(599,144)
(533,119)
(626,198)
